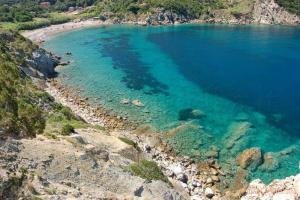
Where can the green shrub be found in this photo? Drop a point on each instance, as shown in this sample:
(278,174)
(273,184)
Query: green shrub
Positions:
(67,112)
(148,170)
(67,129)
(30,118)
(292,6)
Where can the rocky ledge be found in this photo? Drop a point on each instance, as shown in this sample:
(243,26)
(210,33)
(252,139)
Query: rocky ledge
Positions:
(285,189)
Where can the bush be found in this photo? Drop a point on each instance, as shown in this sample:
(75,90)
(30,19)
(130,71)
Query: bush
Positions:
(67,112)
(67,129)
(30,118)
(292,6)
(148,170)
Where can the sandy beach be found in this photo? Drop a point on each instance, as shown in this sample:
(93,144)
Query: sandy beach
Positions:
(43,34)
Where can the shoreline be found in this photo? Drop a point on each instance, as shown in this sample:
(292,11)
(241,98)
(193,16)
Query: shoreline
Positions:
(43,34)
(186,175)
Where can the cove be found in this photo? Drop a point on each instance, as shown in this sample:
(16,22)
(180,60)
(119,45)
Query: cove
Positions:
(214,89)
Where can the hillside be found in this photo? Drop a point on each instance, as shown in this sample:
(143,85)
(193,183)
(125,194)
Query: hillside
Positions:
(30,14)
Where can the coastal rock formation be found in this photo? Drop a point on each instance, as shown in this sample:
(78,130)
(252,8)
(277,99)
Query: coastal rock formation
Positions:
(43,62)
(250,158)
(269,12)
(163,16)
(288,188)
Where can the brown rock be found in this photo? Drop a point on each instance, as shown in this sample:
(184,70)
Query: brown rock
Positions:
(250,158)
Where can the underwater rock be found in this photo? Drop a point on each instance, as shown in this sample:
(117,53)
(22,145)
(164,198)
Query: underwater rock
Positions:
(124,101)
(137,103)
(180,129)
(250,158)
(190,113)
(236,132)
(270,162)
(213,152)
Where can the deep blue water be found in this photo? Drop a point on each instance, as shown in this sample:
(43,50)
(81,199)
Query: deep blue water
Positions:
(245,79)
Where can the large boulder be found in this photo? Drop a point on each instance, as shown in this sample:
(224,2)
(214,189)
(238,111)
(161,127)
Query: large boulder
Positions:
(250,158)
(43,62)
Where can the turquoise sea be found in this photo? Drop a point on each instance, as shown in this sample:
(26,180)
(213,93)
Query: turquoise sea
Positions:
(216,89)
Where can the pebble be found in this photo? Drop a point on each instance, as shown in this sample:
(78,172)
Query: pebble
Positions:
(209,180)
(215,178)
(182,177)
(209,192)
(283,196)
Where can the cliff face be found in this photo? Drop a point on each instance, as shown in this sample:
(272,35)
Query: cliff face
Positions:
(269,12)
(258,12)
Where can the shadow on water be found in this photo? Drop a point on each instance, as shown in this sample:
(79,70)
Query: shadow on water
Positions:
(125,58)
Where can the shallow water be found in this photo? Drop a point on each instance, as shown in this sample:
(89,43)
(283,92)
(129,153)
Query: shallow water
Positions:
(218,87)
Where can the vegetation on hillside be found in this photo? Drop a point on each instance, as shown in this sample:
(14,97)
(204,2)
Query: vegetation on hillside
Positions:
(30,14)
(292,6)
(18,113)
(148,170)
(26,110)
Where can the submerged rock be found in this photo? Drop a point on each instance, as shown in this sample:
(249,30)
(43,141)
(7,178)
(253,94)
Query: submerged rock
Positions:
(270,162)
(190,113)
(250,158)
(137,103)
(124,101)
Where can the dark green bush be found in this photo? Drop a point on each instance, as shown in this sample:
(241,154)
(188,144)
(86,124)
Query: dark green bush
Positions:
(292,6)
(67,129)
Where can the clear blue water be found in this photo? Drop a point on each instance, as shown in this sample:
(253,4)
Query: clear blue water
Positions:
(244,80)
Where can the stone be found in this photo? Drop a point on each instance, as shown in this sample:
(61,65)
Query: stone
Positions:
(177,169)
(209,193)
(137,103)
(182,177)
(283,196)
(190,113)
(209,180)
(124,101)
(215,178)
(250,158)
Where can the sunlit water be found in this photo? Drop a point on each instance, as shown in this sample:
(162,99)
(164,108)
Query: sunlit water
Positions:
(216,86)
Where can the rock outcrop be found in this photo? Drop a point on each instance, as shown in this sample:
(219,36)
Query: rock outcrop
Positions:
(163,16)
(87,165)
(284,189)
(43,62)
(250,158)
(269,12)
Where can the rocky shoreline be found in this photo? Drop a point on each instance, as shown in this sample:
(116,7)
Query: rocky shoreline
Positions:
(186,175)
(195,180)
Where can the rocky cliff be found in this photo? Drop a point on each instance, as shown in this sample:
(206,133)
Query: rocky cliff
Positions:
(258,12)
(269,12)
